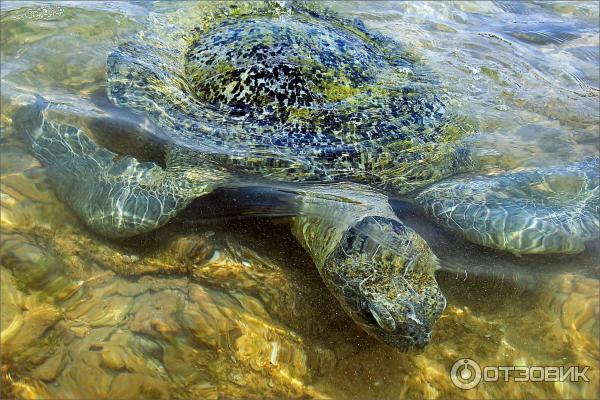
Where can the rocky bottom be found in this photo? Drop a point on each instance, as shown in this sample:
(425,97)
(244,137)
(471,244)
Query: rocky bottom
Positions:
(237,310)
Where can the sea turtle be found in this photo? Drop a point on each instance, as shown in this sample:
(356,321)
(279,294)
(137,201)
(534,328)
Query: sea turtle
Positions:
(332,115)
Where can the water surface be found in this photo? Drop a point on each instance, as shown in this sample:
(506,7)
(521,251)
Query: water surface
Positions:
(234,308)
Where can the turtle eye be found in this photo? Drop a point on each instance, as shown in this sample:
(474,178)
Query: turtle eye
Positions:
(377,314)
(383,317)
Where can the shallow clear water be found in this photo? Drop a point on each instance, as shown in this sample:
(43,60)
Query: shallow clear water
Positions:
(228,308)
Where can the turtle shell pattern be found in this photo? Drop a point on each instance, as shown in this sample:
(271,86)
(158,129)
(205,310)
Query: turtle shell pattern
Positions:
(287,92)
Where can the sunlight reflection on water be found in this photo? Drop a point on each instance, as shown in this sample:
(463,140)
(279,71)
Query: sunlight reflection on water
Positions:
(234,308)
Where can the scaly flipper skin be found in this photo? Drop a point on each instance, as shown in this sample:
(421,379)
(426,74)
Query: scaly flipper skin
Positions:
(550,210)
(115,197)
(380,270)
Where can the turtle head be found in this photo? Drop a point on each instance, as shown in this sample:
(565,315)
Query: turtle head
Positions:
(383,274)
(400,311)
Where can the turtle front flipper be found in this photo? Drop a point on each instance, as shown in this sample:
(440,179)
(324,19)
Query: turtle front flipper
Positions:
(380,270)
(548,210)
(115,196)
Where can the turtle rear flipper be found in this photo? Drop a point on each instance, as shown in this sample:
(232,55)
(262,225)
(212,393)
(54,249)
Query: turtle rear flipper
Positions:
(549,210)
(115,196)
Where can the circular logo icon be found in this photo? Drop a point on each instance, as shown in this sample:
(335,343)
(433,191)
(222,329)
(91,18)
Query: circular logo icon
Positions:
(465,373)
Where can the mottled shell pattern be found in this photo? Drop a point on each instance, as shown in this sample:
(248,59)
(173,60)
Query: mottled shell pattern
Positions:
(290,91)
